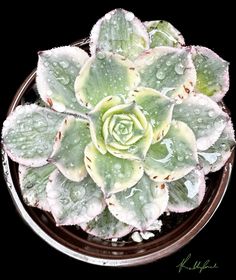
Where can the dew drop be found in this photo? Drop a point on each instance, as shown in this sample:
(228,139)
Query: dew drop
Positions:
(223,146)
(117,166)
(100,55)
(94,207)
(64,64)
(160,75)
(168,62)
(64,200)
(59,107)
(211,113)
(196,111)
(64,79)
(199,120)
(180,158)
(77,193)
(39,151)
(108,16)
(179,69)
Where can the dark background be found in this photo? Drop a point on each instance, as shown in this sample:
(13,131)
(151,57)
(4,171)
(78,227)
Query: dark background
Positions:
(28,29)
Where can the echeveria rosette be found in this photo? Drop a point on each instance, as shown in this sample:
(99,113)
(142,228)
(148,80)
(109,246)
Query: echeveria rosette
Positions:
(127,133)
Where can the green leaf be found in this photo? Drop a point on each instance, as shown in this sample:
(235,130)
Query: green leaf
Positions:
(71,202)
(187,193)
(126,131)
(96,122)
(174,156)
(204,117)
(136,151)
(168,70)
(110,173)
(68,151)
(106,226)
(157,109)
(28,134)
(119,31)
(162,33)
(56,73)
(141,205)
(212,73)
(103,75)
(216,156)
(33,183)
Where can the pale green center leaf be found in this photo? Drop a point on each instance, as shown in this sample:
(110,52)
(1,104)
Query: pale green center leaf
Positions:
(157,109)
(96,123)
(120,128)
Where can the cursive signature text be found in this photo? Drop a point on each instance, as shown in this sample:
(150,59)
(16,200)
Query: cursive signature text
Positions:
(187,264)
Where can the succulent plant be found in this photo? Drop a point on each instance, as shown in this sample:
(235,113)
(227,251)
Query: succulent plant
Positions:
(124,135)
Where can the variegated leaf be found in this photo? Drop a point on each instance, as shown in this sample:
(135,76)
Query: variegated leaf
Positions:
(141,205)
(56,73)
(72,203)
(119,31)
(28,134)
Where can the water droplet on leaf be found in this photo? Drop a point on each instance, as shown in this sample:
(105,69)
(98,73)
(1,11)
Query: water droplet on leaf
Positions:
(179,68)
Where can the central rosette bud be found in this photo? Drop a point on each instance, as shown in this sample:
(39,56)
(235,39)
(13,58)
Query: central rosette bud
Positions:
(120,128)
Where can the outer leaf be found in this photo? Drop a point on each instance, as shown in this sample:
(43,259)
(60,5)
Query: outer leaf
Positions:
(119,31)
(96,122)
(68,150)
(56,73)
(28,134)
(216,156)
(103,75)
(141,205)
(162,33)
(187,193)
(72,203)
(33,183)
(157,109)
(174,156)
(204,117)
(106,226)
(110,173)
(168,70)
(212,73)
